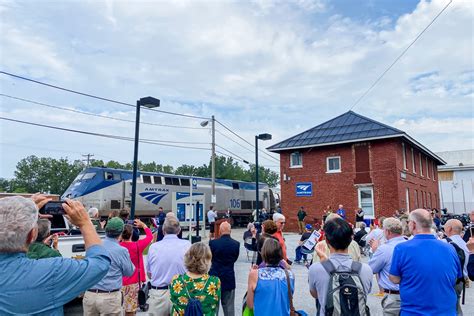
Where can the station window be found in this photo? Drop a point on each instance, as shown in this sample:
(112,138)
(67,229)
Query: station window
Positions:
(333,164)
(404,156)
(185,182)
(157,180)
(413,160)
(146,179)
(296,159)
(421,165)
(427,168)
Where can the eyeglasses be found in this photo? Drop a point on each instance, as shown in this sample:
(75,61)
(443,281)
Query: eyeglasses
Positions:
(283,223)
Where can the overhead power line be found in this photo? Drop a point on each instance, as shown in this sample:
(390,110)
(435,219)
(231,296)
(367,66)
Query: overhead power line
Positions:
(222,134)
(98,97)
(147,141)
(97,115)
(399,56)
(243,160)
(243,139)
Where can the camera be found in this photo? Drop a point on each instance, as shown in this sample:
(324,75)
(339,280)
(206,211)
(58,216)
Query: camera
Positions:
(53,208)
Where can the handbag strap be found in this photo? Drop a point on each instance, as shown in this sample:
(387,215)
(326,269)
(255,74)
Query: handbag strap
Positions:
(290,296)
(138,257)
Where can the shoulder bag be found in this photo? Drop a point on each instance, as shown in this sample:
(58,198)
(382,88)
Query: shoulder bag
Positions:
(293,312)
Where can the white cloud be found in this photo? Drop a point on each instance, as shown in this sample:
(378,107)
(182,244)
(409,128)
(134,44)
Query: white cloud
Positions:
(263,66)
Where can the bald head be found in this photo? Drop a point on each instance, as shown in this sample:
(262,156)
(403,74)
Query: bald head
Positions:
(471,216)
(423,221)
(453,227)
(224,228)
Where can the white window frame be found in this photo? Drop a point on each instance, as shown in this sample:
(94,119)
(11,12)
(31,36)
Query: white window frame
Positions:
(413,163)
(415,198)
(407,197)
(366,215)
(433,167)
(327,164)
(404,157)
(421,165)
(291,160)
(427,168)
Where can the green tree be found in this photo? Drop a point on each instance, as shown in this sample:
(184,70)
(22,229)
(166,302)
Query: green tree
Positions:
(5,185)
(35,174)
(264,175)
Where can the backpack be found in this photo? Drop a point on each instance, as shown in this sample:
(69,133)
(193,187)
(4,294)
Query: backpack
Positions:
(194,306)
(346,295)
(462,259)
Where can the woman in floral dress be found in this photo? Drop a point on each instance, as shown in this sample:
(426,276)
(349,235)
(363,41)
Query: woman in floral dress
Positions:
(196,283)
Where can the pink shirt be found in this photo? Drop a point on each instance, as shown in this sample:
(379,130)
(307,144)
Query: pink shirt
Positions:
(136,252)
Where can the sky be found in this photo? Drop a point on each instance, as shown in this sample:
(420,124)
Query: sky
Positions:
(261,66)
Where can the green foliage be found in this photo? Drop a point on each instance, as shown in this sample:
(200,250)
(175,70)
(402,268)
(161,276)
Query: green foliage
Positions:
(34,174)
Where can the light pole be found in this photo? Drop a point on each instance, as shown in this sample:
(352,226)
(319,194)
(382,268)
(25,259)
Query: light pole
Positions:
(148,102)
(213,169)
(257,137)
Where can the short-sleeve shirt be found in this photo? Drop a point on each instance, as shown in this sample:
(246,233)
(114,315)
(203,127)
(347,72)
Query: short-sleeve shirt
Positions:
(319,278)
(206,289)
(39,250)
(428,269)
(211,216)
(305,236)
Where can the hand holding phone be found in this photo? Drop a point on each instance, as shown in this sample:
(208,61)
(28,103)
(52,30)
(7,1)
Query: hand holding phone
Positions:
(53,208)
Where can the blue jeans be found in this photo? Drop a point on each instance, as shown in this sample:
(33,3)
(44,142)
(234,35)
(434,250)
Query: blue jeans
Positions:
(299,255)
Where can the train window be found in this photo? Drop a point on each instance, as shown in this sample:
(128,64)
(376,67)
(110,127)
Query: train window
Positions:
(168,181)
(175,181)
(235,185)
(115,204)
(246,205)
(88,176)
(254,204)
(157,180)
(112,176)
(185,182)
(146,179)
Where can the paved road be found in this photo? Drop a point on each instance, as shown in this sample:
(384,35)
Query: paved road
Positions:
(302,299)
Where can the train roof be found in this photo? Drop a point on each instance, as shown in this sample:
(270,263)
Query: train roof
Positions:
(218,180)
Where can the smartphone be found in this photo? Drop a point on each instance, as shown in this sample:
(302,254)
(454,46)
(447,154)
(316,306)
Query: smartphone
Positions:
(53,208)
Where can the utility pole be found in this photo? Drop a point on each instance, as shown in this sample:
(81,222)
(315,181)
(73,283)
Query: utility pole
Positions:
(213,161)
(88,158)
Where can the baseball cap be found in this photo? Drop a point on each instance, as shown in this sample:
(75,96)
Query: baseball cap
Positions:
(308,226)
(115,223)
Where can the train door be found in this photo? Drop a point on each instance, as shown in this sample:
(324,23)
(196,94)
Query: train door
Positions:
(181,207)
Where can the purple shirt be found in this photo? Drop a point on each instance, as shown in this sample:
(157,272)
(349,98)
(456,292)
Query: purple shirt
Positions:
(166,259)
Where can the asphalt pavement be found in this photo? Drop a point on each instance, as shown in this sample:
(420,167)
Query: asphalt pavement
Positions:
(302,298)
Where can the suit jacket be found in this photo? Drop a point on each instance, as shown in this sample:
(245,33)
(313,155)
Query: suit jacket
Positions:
(225,252)
(470,267)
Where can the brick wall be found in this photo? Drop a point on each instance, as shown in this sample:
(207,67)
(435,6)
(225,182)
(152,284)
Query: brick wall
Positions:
(386,165)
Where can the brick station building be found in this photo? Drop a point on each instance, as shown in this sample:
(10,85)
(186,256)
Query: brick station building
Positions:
(358,162)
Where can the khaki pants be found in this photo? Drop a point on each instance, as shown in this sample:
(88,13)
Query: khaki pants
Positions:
(391,305)
(102,304)
(301,226)
(159,303)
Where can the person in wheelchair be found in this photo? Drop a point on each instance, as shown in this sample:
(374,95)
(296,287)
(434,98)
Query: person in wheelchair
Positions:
(301,253)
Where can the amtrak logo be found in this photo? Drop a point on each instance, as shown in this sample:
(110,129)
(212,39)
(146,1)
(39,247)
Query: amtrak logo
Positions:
(304,189)
(153,197)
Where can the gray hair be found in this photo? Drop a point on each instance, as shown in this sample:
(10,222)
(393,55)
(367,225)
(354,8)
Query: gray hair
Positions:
(93,211)
(278,216)
(393,225)
(422,218)
(250,226)
(18,216)
(44,228)
(363,225)
(171,226)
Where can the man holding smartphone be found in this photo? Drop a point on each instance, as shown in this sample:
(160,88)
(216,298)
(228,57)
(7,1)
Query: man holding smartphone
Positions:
(470,228)
(46,245)
(42,287)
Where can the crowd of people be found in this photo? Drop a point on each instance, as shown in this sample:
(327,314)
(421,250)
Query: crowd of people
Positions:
(414,269)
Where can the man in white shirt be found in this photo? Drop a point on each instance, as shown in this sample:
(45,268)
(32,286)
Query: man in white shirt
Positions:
(211,218)
(453,229)
(165,259)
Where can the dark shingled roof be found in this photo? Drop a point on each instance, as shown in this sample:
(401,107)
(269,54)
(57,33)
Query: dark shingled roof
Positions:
(346,128)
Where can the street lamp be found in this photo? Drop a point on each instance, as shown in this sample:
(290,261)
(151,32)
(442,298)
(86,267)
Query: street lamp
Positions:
(148,102)
(213,168)
(257,137)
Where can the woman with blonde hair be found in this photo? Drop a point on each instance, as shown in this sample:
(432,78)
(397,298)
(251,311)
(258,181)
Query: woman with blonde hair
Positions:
(196,283)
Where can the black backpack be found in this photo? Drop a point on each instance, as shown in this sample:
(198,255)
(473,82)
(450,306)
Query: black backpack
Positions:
(346,295)
(462,259)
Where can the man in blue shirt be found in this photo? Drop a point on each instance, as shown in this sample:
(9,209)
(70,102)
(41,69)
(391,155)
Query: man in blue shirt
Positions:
(105,297)
(382,260)
(426,269)
(42,287)
(341,211)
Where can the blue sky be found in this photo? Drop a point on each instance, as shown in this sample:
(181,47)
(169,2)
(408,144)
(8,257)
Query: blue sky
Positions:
(258,66)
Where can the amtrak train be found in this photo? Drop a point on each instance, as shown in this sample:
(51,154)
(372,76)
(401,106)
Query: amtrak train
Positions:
(110,189)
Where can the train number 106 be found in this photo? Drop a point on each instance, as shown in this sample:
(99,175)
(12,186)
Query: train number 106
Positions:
(234,203)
